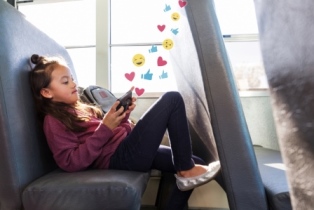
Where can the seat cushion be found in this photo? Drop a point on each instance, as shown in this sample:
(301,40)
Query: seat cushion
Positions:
(273,175)
(91,189)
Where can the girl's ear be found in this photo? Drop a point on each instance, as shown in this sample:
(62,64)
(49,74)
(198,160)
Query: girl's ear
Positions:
(45,93)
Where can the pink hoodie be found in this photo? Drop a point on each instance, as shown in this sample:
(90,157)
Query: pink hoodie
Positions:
(91,148)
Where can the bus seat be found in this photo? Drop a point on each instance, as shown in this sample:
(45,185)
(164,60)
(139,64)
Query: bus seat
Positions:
(29,178)
(218,125)
(273,174)
(286,38)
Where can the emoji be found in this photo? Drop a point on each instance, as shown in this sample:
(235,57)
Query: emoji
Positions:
(153,49)
(167,44)
(161,27)
(130,76)
(147,76)
(138,60)
(175,16)
(182,3)
(164,75)
(161,62)
(139,91)
(167,8)
(175,31)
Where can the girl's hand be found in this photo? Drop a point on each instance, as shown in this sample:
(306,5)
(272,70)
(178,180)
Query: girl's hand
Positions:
(132,123)
(114,117)
(132,107)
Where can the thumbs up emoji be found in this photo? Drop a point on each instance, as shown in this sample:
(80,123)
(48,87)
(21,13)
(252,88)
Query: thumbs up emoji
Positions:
(167,8)
(147,76)
(153,49)
(164,75)
(175,31)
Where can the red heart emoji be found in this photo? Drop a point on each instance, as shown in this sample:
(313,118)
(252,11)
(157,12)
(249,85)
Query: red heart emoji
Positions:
(161,62)
(139,91)
(130,76)
(182,3)
(161,27)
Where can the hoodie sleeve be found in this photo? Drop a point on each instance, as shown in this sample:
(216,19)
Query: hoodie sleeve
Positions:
(126,124)
(69,153)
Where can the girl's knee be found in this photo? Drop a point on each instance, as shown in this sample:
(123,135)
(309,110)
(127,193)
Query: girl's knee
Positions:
(173,95)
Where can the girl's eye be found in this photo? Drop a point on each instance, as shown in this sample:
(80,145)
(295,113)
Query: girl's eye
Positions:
(65,82)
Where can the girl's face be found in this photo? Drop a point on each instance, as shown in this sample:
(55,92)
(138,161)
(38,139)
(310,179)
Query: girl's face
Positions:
(62,87)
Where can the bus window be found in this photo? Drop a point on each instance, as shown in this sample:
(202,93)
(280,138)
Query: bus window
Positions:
(73,25)
(237,20)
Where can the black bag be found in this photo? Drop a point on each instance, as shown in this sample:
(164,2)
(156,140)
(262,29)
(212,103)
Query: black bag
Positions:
(98,96)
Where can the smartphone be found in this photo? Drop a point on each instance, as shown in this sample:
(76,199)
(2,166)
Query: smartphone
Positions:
(125,101)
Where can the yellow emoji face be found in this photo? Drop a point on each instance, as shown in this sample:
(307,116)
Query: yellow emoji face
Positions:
(175,16)
(167,44)
(138,60)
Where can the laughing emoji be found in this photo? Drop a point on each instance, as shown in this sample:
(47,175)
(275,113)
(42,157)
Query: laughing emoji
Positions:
(138,60)
(175,16)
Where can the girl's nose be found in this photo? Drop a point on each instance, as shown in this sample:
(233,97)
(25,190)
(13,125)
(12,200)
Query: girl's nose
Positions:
(74,83)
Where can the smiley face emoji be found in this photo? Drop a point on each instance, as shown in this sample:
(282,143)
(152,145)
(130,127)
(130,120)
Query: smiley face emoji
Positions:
(167,44)
(138,60)
(175,16)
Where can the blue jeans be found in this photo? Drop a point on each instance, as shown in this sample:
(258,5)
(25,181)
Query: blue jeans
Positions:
(141,149)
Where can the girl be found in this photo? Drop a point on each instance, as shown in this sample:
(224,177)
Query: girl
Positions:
(80,137)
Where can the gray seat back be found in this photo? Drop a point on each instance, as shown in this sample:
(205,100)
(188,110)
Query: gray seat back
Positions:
(286,37)
(24,155)
(205,79)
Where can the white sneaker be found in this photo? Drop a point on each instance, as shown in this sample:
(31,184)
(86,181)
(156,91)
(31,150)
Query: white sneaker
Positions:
(185,184)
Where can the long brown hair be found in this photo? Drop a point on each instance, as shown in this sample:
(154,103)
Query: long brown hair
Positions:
(70,115)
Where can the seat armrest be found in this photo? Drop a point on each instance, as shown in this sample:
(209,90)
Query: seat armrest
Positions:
(92,190)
